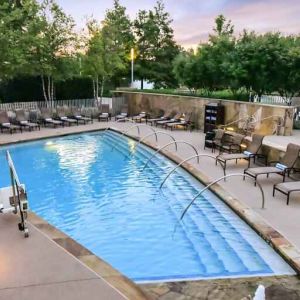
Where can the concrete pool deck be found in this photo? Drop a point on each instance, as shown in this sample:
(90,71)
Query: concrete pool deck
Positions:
(275,214)
(36,268)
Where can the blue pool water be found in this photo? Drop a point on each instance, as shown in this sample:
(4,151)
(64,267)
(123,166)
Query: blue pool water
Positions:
(102,199)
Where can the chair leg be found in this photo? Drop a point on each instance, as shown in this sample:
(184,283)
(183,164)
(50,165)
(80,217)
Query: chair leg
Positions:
(273,191)
(288,198)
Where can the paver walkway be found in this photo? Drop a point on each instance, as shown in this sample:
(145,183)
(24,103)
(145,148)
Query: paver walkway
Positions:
(37,269)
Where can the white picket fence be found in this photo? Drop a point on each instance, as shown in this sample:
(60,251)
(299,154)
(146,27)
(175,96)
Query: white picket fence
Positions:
(277,100)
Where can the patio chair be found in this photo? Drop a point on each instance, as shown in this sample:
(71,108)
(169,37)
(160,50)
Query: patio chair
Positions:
(62,116)
(140,117)
(23,121)
(47,118)
(184,122)
(287,188)
(282,167)
(252,151)
(123,115)
(164,116)
(104,115)
(5,123)
(216,140)
(76,114)
(174,119)
(234,145)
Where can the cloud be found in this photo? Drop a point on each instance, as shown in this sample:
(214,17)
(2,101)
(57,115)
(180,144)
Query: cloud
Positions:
(260,16)
(194,19)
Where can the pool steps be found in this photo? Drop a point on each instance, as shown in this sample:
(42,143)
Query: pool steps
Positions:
(224,263)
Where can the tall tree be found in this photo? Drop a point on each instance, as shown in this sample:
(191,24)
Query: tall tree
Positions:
(53,47)
(103,59)
(17,29)
(286,74)
(121,35)
(156,47)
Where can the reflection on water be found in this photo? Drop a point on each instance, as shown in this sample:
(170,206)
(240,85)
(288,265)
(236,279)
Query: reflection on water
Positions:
(74,155)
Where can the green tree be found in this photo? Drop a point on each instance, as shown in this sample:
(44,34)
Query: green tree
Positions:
(17,29)
(53,47)
(156,48)
(103,59)
(187,70)
(121,35)
(255,61)
(286,75)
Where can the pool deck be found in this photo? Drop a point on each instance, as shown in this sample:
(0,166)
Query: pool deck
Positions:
(26,274)
(37,268)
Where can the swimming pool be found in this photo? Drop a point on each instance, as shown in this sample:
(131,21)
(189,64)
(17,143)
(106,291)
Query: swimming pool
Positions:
(100,197)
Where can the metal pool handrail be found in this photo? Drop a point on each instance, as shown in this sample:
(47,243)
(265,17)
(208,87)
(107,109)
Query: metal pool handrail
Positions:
(120,120)
(185,160)
(156,132)
(166,145)
(138,128)
(19,195)
(219,179)
(13,170)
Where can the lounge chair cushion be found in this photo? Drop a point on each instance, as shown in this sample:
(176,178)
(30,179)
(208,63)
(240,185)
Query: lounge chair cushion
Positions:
(230,156)
(287,187)
(263,170)
(5,124)
(48,119)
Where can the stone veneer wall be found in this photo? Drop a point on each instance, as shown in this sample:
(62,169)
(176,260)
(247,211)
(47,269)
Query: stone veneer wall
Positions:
(153,103)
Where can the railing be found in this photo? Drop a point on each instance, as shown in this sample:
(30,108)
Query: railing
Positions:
(156,133)
(186,160)
(138,129)
(169,144)
(277,100)
(40,104)
(219,179)
(20,202)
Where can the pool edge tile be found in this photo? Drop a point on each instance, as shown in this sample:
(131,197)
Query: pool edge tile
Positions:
(104,270)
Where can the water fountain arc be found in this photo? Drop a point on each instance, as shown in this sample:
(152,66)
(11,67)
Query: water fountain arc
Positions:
(166,145)
(185,160)
(219,179)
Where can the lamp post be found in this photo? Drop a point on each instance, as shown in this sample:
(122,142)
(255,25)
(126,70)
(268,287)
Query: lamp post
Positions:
(132,60)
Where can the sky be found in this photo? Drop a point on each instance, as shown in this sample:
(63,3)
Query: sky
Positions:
(193,20)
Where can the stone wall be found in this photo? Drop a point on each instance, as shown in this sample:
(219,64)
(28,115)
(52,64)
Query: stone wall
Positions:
(234,110)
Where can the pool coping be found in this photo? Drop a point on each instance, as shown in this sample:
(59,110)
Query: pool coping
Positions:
(126,286)
(103,269)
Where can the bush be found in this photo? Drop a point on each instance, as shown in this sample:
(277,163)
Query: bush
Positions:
(220,94)
(26,89)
